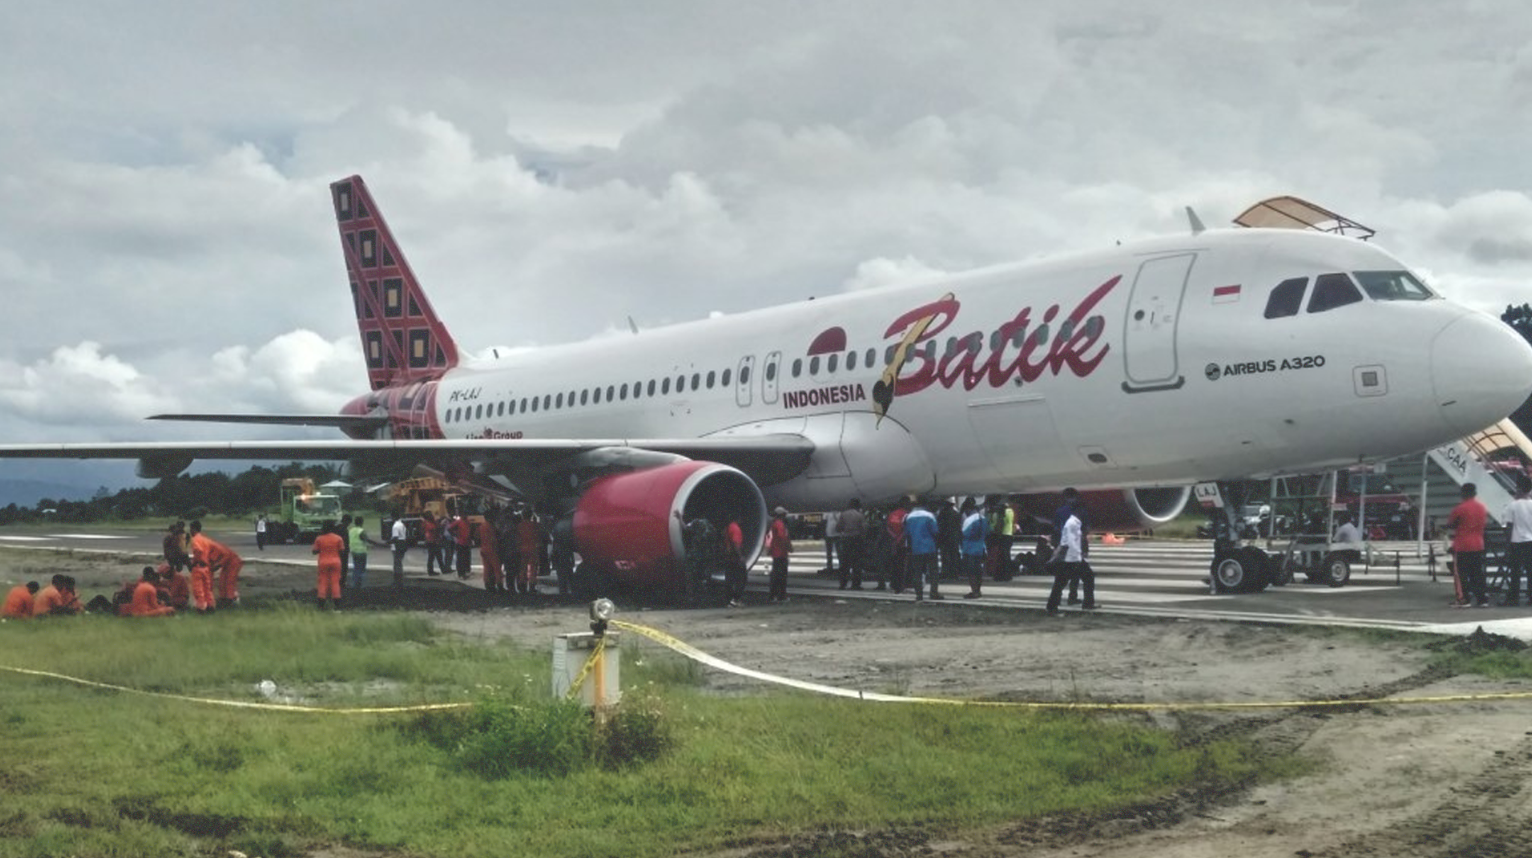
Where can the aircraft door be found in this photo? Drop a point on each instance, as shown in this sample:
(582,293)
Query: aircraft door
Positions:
(1149,331)
(1019,437)
(742,381)
(769,380)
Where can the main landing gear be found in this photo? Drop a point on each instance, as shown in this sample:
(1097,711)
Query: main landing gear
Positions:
(1236,568)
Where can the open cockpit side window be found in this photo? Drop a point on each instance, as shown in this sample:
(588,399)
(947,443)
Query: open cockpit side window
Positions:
(1331,291)
(1393,286)
(1286,298)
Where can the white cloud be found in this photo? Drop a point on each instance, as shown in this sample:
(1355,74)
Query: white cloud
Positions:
(79,384)
(873,273)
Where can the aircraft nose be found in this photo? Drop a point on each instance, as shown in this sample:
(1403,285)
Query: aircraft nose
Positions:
(1481,371)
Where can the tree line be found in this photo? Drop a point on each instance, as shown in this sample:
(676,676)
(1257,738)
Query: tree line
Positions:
(185,496)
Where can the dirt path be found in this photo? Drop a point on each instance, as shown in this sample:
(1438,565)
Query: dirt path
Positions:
(1420,780)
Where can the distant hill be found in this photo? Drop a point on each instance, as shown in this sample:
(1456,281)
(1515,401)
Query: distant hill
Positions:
(27,493)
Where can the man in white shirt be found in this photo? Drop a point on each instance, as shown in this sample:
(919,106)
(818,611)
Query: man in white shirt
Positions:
(832,540)
(399,540)
(1348,532)
(1069,557)
(1518,517)
(1349,537)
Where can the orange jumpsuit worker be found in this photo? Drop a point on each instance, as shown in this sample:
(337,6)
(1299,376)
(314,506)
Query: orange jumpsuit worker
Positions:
(222,560)
(19,602)
(201,569)
(57,598)
(328,546)
(531,545)
(176,585)
(489,555)
(146,598)
(124,596)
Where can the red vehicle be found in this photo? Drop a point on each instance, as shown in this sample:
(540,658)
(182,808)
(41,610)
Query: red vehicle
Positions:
(1390,513)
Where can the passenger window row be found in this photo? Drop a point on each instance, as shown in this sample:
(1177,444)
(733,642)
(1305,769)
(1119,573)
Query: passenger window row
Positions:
(680,383)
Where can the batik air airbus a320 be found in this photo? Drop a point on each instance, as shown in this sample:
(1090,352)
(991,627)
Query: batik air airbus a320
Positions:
(1143,368)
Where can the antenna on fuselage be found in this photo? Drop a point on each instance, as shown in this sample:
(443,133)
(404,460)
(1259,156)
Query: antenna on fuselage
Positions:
(1198,227)
(632,325)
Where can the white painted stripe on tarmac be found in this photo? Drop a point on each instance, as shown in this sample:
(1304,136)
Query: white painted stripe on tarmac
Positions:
(1516,627)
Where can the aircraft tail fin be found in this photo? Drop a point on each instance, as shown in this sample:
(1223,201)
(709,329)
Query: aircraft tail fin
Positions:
(402,338)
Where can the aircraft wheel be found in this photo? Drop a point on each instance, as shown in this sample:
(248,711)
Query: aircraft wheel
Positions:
(1336,571)
(1229,574)
(1243,571)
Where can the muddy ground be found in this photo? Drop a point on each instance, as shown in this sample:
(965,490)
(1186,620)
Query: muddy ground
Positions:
(1434,779)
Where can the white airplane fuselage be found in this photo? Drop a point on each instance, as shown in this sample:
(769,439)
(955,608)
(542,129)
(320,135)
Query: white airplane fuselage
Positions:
(1150,364)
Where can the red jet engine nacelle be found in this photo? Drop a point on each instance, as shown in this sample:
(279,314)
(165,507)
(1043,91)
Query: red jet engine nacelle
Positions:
(628,526)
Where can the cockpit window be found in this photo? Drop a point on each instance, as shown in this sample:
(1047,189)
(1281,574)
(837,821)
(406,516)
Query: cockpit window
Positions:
(1331,291)
(1286,298)
(1393,286)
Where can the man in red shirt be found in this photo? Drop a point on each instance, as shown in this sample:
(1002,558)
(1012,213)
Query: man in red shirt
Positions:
(529,544)
(489,555)
(328,546)
(781,546)
(431,533)
(18,602)
(1466,521)
(898,551)
(462,544)
(734,558)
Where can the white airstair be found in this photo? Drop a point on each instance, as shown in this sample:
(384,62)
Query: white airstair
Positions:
(1485,459)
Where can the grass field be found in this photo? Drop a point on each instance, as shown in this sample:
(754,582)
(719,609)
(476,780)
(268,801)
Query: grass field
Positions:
(92,772)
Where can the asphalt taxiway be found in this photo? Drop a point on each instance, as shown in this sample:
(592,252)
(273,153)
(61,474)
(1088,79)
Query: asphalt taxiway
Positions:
(1406,591)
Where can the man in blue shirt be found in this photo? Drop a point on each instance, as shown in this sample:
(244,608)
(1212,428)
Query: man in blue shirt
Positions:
(975,533)
(920,532)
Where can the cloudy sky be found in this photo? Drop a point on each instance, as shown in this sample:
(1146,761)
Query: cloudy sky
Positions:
(166,240)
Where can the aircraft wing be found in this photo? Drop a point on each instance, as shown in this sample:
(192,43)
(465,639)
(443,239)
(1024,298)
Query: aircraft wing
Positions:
(337,421)
(766,458)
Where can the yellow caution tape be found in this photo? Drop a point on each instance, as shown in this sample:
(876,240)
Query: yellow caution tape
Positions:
(242,704)
(590,662)
(699,656)
(685,649)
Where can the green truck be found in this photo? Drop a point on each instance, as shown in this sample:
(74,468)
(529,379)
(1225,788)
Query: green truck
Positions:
(304,512)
